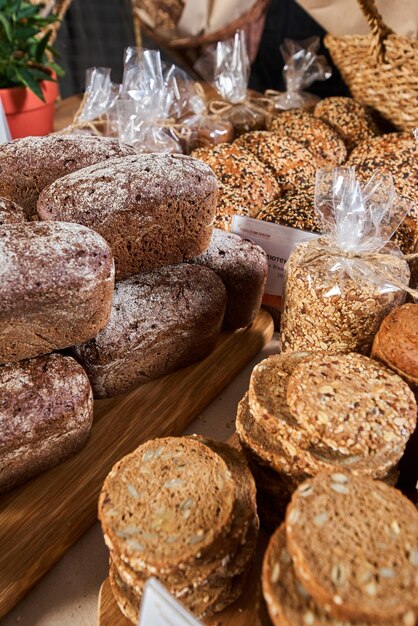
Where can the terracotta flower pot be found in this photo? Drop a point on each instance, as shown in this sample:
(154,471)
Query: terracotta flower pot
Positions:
(26,113)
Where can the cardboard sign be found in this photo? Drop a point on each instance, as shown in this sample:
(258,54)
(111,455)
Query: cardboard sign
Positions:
(278,242)
(160,608)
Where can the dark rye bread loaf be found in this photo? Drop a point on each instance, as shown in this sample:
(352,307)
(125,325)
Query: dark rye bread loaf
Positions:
(160,321)
(46,412)
(30,164)
(354,544)
(242,266)
(10,212)
(56,288)
(152,209)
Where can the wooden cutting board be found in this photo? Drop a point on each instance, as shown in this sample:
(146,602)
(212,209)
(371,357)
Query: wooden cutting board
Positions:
(42,519)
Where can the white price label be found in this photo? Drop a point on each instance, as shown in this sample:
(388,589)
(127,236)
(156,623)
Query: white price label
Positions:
(276,240)
(160,608)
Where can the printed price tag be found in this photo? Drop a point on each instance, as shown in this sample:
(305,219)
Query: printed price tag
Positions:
(4,127)
(278,242)
(160,608)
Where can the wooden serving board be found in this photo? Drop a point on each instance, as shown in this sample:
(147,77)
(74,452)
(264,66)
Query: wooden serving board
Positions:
(42,519)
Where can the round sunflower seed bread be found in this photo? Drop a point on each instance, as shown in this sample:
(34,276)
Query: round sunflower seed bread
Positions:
(30,164)
(351,404)
(354,544)
(313,133)
(350,119)
(291,163)
(154,510)
(240,170)
(10,212)
(288,602)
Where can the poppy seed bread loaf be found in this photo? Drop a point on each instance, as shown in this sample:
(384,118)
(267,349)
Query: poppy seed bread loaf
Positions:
(56,287)
(30,164)
(152,209)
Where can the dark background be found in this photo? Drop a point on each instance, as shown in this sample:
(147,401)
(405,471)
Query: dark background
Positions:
(95,33)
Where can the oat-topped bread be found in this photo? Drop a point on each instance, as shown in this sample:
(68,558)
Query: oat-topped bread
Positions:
(354,544)
(396,342)
(56,288)
(242,266)
(46,412)
(316,135)
(291,163)
(160,321)
(200,544)
(10,212)
(29,165)
(350,119)
(241,170)
(288,602)
(152,209)
(351,404)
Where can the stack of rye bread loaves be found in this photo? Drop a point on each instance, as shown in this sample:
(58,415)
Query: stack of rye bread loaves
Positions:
(270,175)
(76,213)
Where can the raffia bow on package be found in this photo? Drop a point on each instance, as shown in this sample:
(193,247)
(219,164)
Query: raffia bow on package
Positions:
(340,286)
(227,67)
(303,66)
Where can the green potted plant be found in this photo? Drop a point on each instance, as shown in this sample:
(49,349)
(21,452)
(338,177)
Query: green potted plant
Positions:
(28,72)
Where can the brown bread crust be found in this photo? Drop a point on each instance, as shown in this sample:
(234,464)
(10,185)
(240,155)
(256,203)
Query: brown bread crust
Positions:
(46,413)
(29,165)
(152,209)
(10,212)
(56,288)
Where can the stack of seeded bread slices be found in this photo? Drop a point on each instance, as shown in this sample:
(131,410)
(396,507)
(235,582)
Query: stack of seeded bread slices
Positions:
(181,509)
(308,413)
(347,555)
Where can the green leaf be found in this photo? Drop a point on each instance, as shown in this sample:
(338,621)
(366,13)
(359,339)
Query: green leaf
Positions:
(41,74)
(25,32)
(41,47)
(56,68)
(27,11)
(27,79)
(6,27)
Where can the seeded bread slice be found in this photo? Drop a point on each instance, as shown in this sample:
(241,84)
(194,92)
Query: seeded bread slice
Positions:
(153,509)
(350,404)
(288,602)
(354,543)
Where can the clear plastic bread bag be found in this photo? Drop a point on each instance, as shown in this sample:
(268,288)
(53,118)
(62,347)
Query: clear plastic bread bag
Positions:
(303,66)
(98,105)
(143,110)
(340,286)
(226,65)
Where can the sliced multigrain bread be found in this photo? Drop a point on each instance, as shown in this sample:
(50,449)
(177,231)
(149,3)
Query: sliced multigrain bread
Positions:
(288,602)
(350,404)
(354,544)
(315,134)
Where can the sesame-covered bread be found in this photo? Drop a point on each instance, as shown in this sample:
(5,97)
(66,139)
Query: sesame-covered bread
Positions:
(10,212)
(30,164)
(350,119)
(291,163)
(46,413)
(241,170)
(56,288)
(315,134)
(354,544)
(295,209)
(288,602)
(152,209)
(396,342)
(160,321)
(242,267)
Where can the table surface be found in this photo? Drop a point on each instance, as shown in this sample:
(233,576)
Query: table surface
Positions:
(68,594)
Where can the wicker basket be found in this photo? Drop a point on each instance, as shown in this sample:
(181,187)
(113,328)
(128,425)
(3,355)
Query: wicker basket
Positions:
(381,69)
(189,49)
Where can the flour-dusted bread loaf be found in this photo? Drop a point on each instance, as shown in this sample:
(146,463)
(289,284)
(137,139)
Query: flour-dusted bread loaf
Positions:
(30,164)
(10,212)
(56,287)
(161,321)
(242,266)
(152,209)
(46,412)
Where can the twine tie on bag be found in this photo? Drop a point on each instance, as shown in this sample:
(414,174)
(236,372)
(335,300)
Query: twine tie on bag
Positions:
(218,107)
